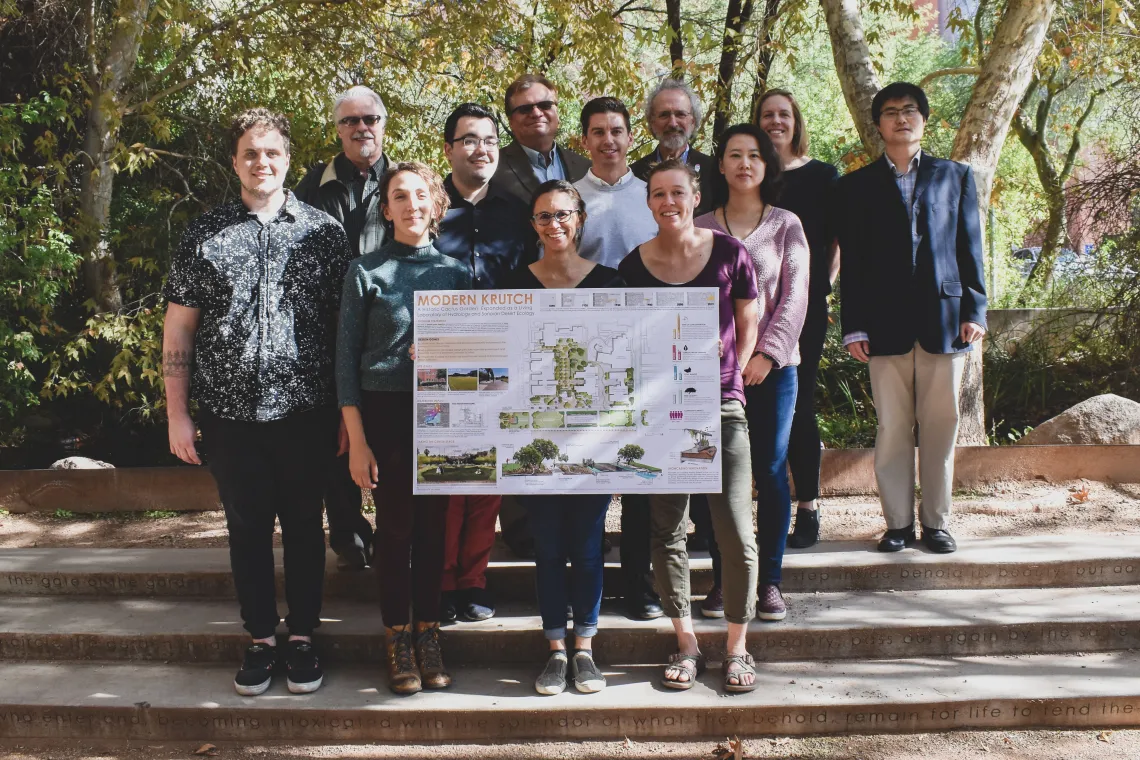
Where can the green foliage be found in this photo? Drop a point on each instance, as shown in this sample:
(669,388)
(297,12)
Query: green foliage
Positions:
(63,514)
(630,452)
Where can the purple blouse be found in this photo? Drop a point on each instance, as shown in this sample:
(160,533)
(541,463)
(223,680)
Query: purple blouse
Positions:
(779,252)
(729,270)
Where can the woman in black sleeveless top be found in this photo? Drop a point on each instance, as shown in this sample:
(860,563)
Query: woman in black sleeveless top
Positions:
(808,187)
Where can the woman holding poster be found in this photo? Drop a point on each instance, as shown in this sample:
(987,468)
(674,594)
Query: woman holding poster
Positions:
(682,255)
(566,526)
(374,373)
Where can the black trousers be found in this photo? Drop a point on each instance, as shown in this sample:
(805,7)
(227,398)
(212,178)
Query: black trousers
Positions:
(343,503)
(634,549)
(268,471)
(702,525)
(804,443)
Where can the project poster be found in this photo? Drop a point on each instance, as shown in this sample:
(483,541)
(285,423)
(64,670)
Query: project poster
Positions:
(567,391)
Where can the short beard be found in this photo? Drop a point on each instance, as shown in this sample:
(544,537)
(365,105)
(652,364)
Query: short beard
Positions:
(258,192)
(367,151)
(674,140)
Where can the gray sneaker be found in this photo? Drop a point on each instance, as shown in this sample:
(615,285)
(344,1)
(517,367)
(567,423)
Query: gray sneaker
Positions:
(587,678)
(552,680)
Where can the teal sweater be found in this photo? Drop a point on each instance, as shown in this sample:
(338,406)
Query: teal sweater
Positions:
(376,309)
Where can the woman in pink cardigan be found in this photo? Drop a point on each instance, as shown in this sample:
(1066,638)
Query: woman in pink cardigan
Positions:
(779,249)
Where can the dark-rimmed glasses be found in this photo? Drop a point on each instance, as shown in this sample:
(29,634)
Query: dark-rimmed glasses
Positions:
(525,108)
(472,143)
(371,120)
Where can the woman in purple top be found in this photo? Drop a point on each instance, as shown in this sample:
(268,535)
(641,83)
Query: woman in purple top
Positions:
(681,255)
(776,242)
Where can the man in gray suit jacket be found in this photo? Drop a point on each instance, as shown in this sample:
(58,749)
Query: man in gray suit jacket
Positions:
(534,157)
(672,113)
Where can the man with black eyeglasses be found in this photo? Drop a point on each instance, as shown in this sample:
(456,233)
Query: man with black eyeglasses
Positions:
(534,157)
(347,189)
(487,229)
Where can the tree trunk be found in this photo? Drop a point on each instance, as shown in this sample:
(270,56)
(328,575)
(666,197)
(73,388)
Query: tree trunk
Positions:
(108,78)
(765,55)
(734,22)
(1053,185)
(676,44)
(1006,72)
(853,64)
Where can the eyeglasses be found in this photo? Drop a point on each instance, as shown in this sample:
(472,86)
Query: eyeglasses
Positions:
(352,121)
(908,113)
(472,143)
(545,218)
(542,105)
(674,114)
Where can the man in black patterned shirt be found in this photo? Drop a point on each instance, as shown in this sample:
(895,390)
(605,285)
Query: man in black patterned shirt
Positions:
(252,298)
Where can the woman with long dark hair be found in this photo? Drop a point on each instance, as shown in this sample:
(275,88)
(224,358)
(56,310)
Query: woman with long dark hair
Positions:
(775,241)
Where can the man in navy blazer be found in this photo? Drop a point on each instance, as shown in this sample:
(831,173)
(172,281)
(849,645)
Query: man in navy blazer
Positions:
(913,303)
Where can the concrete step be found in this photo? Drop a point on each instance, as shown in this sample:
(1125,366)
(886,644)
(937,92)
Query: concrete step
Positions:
(1014,562)
(834,625)
(119,701)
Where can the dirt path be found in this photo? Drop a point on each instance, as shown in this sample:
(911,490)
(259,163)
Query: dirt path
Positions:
(1005,509)
(1003,745)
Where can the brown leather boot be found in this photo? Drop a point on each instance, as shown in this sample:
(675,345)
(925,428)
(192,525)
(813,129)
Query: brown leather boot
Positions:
(403,675)
(431,659)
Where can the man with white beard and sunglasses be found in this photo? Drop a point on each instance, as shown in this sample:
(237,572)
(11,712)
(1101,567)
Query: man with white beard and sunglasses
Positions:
(673,113)
(347,189)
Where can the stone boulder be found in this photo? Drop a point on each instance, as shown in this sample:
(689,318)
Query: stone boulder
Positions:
(1100,419)
(81,463)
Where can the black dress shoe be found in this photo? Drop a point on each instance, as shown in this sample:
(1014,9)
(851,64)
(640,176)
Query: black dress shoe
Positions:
(448,610)
(938,541)
(644,605)
(896,539)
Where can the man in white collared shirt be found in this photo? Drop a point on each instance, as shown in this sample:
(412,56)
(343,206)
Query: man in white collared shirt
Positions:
(618,217)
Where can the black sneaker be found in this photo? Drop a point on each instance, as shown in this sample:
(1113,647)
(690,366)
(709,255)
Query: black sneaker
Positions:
(587,678)
(448,608)
(806,532)
(479,605)
(552,679)
(256,670)
(303,667)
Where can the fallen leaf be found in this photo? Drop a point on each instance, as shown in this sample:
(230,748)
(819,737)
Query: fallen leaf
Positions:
(142,705)
(723,751)
(1079,497)
(1104,736)
(206,749)
(627,743)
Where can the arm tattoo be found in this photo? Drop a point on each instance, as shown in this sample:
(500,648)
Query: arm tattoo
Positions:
(177,363)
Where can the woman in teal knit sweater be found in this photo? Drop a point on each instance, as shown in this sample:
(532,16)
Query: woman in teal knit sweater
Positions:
(374,376)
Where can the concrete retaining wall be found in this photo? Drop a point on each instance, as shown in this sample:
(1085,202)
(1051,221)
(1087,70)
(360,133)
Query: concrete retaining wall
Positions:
(845,472)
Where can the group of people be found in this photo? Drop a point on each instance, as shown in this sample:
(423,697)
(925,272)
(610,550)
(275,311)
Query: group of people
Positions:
(286,305)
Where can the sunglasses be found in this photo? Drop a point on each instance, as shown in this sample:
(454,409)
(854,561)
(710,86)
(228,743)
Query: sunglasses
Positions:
(542,105)
(352,121)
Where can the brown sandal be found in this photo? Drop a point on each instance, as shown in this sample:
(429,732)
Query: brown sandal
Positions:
(403,675)
(747,665)
(691,665)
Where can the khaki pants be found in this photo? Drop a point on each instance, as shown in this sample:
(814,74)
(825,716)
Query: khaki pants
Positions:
(731,512)
(923,388)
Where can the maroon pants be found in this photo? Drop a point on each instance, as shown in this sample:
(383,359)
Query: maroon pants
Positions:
(408,553)
(470,536)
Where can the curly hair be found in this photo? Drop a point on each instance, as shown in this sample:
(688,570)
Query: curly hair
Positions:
(435,188)
(257,117)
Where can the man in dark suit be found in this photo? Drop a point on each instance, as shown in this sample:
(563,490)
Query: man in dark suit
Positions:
(531,102)
(673,112)
(913,302)
(534,157)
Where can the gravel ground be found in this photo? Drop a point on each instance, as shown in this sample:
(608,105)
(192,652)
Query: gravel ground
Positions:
(1008,508)
(1006,745)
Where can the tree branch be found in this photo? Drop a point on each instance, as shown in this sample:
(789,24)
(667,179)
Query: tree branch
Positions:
(979,37)
(974,70)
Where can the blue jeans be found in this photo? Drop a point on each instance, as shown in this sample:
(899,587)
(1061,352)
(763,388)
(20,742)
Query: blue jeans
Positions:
(771,407)
(568,527)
